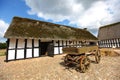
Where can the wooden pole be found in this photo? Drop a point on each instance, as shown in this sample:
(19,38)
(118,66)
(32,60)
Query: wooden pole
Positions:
(39,48)
(16,45)
(32,47)
(25,49)
(7,42)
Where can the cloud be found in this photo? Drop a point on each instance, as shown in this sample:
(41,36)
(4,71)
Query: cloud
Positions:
(3,27)
(84,13)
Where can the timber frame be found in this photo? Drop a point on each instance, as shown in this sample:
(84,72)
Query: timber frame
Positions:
(109,43)
(60,44)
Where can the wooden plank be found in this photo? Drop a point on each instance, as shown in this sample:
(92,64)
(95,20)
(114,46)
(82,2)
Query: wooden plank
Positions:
(16,45)
(66,43)
(25,49)
(50,49)
(58,46)
(73,44)
(62,43)
(79,50)
(32,47)
(116,43)
(39,47)
(76,43)
(7,42)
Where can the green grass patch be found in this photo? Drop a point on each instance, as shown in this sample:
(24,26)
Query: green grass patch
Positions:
(2,52)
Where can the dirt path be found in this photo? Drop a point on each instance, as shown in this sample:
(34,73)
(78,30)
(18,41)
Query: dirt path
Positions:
(47,68)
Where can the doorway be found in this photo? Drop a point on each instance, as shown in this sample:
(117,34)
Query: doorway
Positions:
(47,48)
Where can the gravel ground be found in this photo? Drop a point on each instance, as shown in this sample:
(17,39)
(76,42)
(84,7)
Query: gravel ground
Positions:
(48,68)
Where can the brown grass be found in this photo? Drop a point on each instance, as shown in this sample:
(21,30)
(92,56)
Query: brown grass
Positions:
(109,52)
(2,52)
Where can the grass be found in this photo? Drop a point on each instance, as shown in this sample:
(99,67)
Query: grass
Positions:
(2,52)
(108,52)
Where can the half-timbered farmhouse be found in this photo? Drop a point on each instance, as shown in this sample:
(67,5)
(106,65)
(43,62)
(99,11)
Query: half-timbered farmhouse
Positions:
(109,36)
(27,38)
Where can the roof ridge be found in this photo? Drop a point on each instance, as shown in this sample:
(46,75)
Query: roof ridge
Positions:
(109,25)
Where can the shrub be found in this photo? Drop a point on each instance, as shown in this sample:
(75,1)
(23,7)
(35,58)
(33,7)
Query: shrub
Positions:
(3,45)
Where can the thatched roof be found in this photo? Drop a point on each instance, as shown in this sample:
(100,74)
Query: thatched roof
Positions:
(28,28)
(110,31)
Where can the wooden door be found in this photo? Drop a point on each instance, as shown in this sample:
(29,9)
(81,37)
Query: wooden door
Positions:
(50,49)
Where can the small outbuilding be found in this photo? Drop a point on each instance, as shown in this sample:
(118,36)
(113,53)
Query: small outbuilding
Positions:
(109,36)
(28,38)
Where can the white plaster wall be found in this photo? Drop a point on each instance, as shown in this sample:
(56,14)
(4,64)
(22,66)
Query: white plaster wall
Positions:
(12,43)
(11,54)
(36,52)
(21,43)
(36,43)
(74,44)
(29,43)
(28,53)
(55,43)
(61,50)
(78,44)
(60,43)
(56,50)
(20,54)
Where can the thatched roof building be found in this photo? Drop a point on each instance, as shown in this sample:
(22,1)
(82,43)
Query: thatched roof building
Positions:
(109,35)
(109,31)
(28,28)
(28,38)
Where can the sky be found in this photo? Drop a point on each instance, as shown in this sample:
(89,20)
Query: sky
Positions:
(90,14)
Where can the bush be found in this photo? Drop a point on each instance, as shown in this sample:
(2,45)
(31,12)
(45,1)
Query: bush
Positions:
(3,45)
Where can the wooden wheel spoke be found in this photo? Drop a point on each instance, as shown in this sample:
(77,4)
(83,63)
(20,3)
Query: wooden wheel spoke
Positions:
(85,64)
(97,57)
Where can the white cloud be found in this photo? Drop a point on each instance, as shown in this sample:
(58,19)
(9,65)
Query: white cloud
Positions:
(3,27)
(84,13)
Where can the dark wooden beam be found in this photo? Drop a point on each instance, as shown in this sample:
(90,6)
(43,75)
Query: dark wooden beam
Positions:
(79,43)
(32,47)
(59,46)
(66,43)
(62,43)
(98,43)
(7,42)
(39,47)
(76,43)
(118,43)
(16,45)
(73,44)
(25,49)
(111,42)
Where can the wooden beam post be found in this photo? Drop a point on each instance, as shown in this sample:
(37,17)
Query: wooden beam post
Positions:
(59,46)
(76,43)
(25,49)
(7,42)
(32,47)
(39,47)
(66,43)
(62,43)
(119,42)
(16,45)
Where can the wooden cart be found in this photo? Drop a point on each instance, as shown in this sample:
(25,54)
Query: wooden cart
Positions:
(79,57)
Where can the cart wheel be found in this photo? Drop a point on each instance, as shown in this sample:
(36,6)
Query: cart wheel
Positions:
(98,56)
(84,64)
(66,58)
